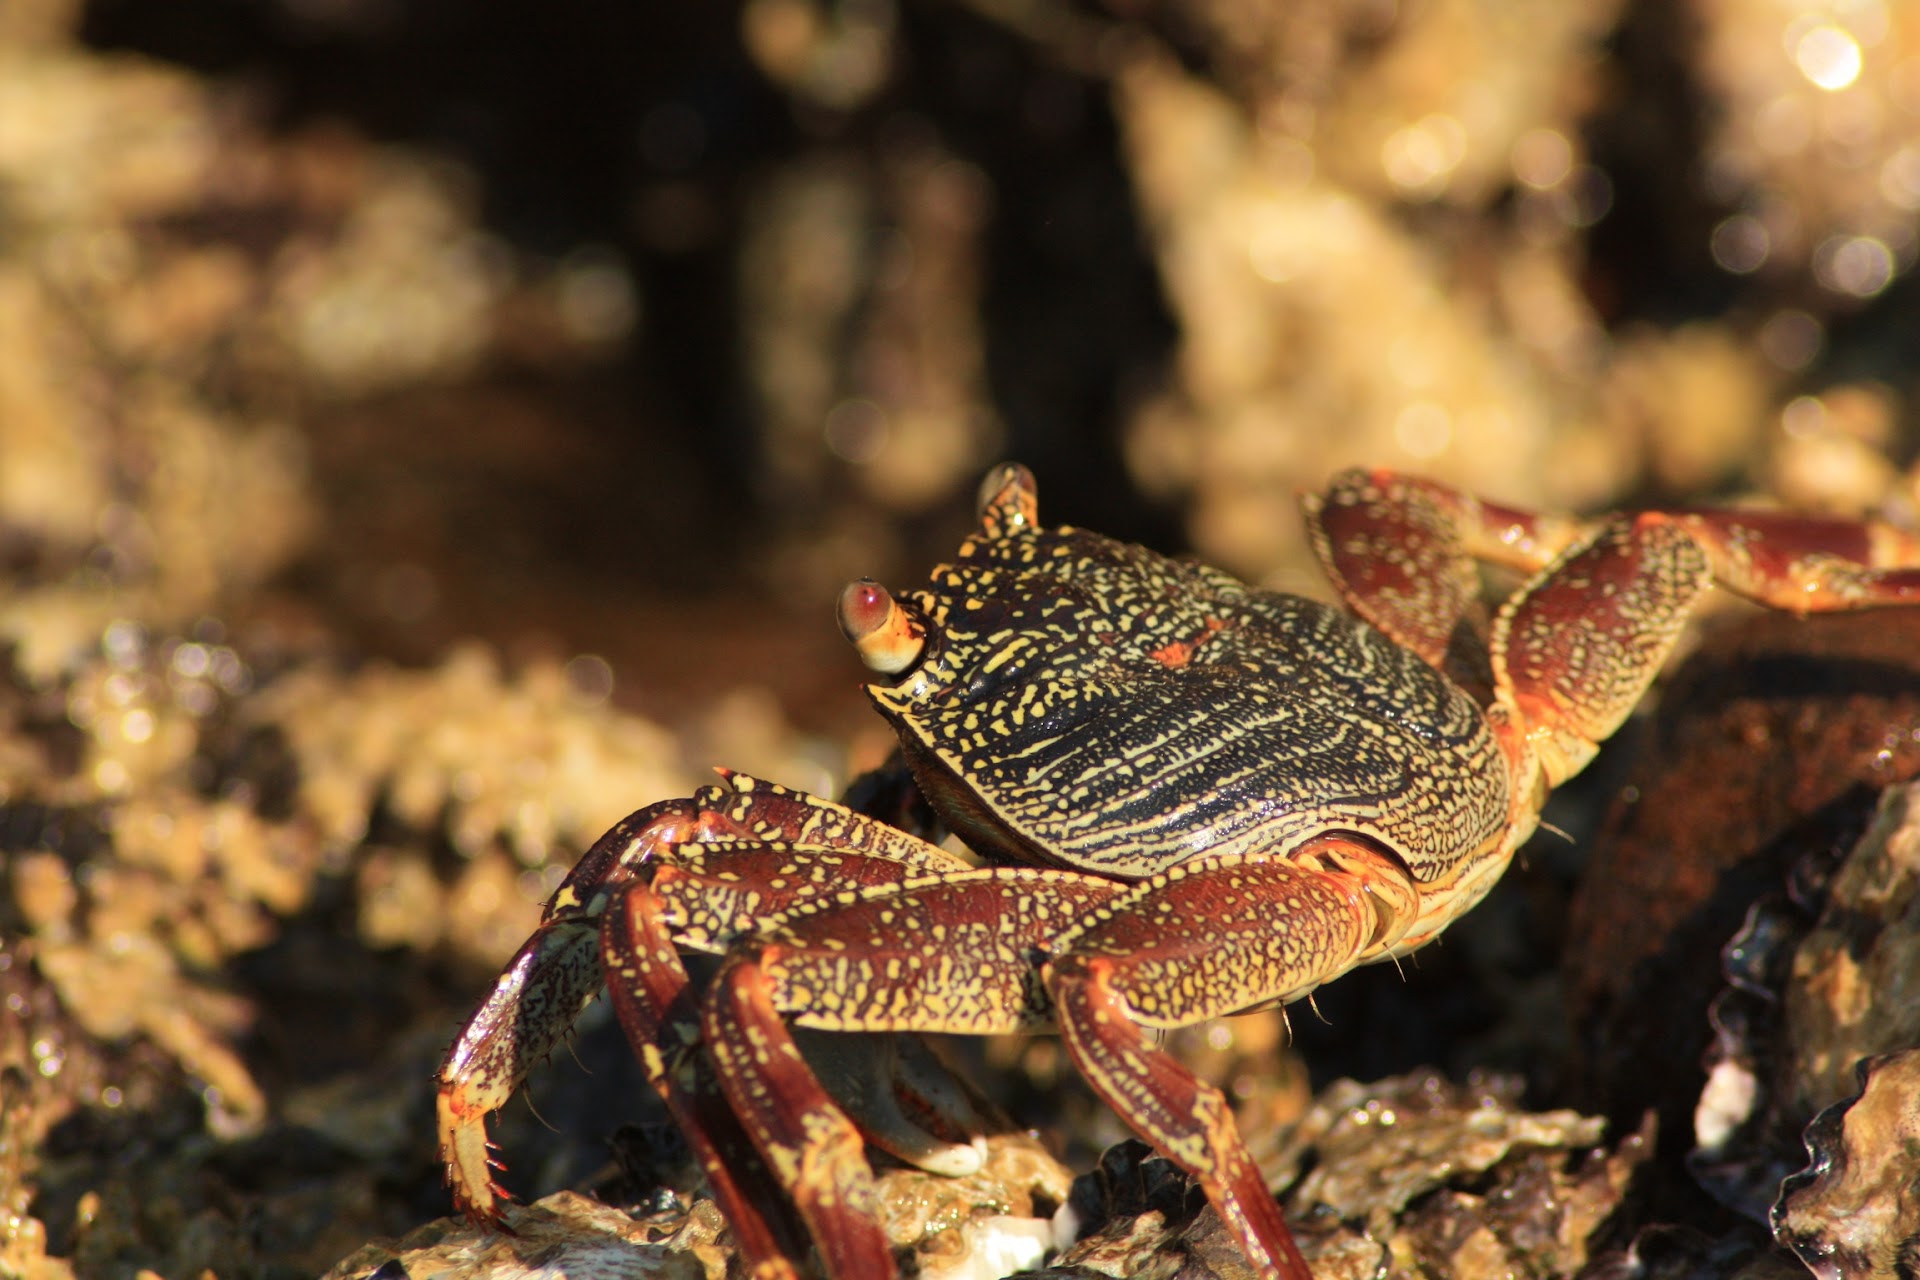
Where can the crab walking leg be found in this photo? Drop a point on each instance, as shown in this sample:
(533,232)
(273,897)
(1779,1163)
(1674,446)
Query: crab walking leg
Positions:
(951,953)
(531,1007)
(534,1002)
(653,998)
(813,1148)
(536,999)
(1184,1118)
(1576,648)
(715,893)
(1199,942)
(1805,564)
(1400,550)
(700,900)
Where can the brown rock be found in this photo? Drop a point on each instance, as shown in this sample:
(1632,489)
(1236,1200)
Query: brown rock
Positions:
(1771,744)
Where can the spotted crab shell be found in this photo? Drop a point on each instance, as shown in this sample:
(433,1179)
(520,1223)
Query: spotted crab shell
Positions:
(1089,703)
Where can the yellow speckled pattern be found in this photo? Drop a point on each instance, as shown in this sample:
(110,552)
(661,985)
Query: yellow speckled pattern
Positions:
(1096,705)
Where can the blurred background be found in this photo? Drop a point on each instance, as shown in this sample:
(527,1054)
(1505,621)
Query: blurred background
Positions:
(429,430)
(528,324)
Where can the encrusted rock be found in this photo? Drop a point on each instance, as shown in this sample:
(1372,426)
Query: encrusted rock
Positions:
(1854,1214)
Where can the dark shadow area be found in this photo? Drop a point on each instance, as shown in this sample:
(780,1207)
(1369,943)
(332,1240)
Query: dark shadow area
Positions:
(647,131)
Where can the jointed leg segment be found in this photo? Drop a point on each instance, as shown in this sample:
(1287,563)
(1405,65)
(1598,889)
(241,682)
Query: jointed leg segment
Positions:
(745,825)
(1014,949)
(1575,649)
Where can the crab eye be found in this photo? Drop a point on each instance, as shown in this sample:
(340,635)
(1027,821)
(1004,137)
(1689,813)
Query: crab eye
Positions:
(889,639)
(1008,500)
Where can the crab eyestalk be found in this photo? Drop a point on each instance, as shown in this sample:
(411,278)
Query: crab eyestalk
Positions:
(1008,500)
(887,636)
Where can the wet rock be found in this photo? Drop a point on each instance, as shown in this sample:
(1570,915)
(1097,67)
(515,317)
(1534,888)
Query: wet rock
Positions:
(564,1235)
(1139,1215)
(987,1225)
(1415,1175)
(1855,1212)
(1854,988)
(1378,1147)
(1460,1179)
(1820,1018)
(1668,1252)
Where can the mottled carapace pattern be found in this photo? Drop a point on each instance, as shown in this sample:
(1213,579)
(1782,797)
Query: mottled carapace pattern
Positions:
(1119,711)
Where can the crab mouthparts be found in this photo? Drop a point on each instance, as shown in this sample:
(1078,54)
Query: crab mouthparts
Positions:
(888,638)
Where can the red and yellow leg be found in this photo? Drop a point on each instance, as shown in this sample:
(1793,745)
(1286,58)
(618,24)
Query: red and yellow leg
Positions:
(1194,944)
(1400,550)
(1575,649)
(953,954)
(707,896)
(966,954)
(654,1000)
(534,1002)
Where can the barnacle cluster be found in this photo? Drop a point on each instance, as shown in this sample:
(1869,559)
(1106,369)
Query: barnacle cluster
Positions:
(169,808)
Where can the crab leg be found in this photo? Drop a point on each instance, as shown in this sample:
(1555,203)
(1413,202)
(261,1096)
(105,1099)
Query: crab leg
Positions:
(812,1146)
(705,897)
(952,953)
(652,996)
(535,1001)
(1200,942)
(1805,564)
(1400,550)
(959,954)
(1575,649)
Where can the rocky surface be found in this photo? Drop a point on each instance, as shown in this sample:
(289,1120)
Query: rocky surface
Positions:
(376,526)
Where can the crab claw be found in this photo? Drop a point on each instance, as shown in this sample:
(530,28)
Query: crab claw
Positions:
(888,637)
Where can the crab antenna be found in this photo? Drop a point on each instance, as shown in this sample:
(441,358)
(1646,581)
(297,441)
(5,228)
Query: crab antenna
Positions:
(1008,500)
(888,637)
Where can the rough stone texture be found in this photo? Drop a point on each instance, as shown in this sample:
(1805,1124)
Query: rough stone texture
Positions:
(1855,1213)
(1771,742)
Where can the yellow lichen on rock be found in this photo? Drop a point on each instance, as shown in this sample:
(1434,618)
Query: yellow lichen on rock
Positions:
(521,760)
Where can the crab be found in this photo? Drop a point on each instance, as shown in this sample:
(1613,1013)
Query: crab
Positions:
(1186,797)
